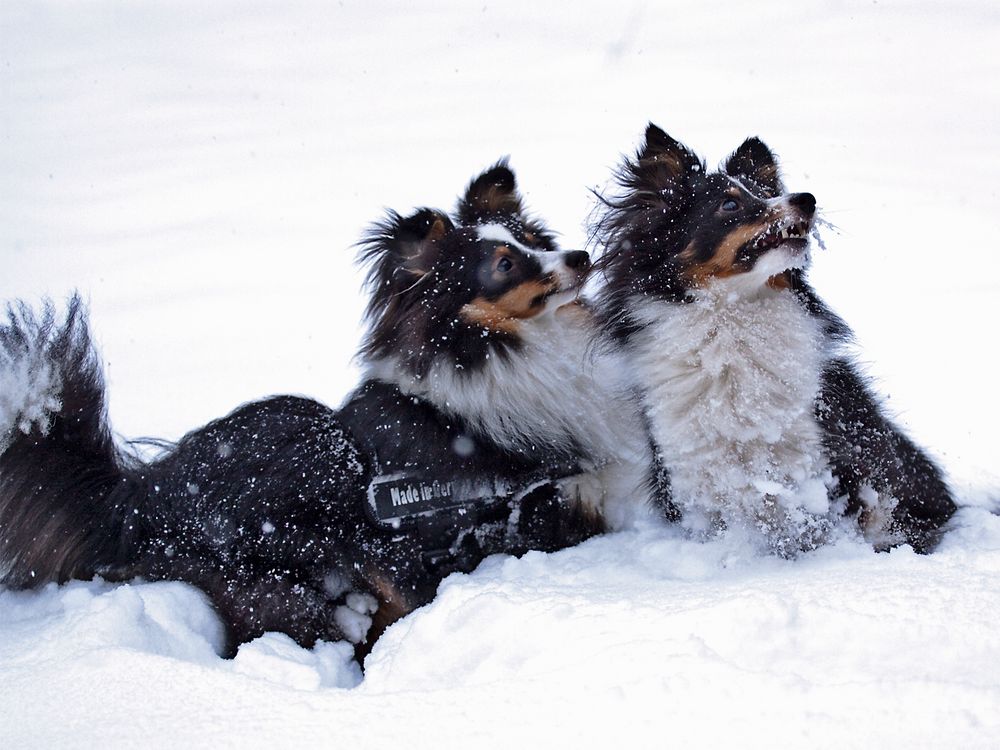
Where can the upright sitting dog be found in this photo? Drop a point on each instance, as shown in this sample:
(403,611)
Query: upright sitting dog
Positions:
(761,419)
(299,519)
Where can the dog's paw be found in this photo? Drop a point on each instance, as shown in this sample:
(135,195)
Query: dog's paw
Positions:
(586,490)
(353,617)
(877,519)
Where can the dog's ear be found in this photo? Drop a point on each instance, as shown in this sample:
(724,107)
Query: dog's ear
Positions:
(404,244)
(491,195)
(755,164)
(415,240)
(399,251)
(662,168)
(654,188)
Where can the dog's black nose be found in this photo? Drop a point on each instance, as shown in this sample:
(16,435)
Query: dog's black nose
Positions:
(804,201)
(577,259)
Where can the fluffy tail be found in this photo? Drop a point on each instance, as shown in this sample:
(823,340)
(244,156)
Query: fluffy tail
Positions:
(64,486)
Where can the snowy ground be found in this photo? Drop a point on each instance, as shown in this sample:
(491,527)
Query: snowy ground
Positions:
(199,171)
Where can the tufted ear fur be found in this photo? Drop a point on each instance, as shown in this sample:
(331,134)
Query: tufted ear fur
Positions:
(654,183)
(490,196)
(399,251)
(662,169)
(754,164)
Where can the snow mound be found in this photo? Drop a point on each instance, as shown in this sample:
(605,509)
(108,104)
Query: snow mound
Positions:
(645,633)
(80,619)
(841,614)
(277,658)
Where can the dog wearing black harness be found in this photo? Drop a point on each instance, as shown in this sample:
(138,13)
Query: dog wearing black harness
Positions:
(484,425)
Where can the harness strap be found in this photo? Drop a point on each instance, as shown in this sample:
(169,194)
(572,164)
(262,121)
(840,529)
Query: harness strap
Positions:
(395,498)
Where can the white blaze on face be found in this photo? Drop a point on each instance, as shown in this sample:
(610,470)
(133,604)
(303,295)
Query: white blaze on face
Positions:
(779,207)
(551,261)
(499,233)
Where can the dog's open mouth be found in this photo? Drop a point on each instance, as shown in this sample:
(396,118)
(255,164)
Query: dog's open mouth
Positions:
(796,233)
(568,289)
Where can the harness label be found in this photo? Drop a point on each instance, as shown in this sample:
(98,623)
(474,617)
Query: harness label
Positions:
(411,494)
(394,497)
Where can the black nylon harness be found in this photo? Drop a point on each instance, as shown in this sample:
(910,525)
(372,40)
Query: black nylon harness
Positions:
(395,498)
(455,495)
(447,516)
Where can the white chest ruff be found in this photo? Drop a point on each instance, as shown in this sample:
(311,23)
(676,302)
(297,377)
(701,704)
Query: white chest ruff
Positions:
(730,385)
(557,392)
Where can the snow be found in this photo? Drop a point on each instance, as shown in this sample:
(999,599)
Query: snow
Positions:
(29,385)
(200,171)
(640,635)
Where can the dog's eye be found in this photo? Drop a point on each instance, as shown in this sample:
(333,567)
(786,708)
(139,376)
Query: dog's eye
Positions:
(730,204)
(504,265)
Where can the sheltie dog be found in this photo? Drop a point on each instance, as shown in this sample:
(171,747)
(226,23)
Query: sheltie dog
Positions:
(484,424)
(759,416)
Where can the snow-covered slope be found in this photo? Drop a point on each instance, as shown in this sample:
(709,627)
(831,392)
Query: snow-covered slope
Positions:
(200,170)
(640,637)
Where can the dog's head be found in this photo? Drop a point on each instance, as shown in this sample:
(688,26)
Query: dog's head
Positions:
(466,285)
(677,228)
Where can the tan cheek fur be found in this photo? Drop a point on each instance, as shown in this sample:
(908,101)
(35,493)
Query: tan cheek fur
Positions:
(722,264)
(503,313)
(781,281)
